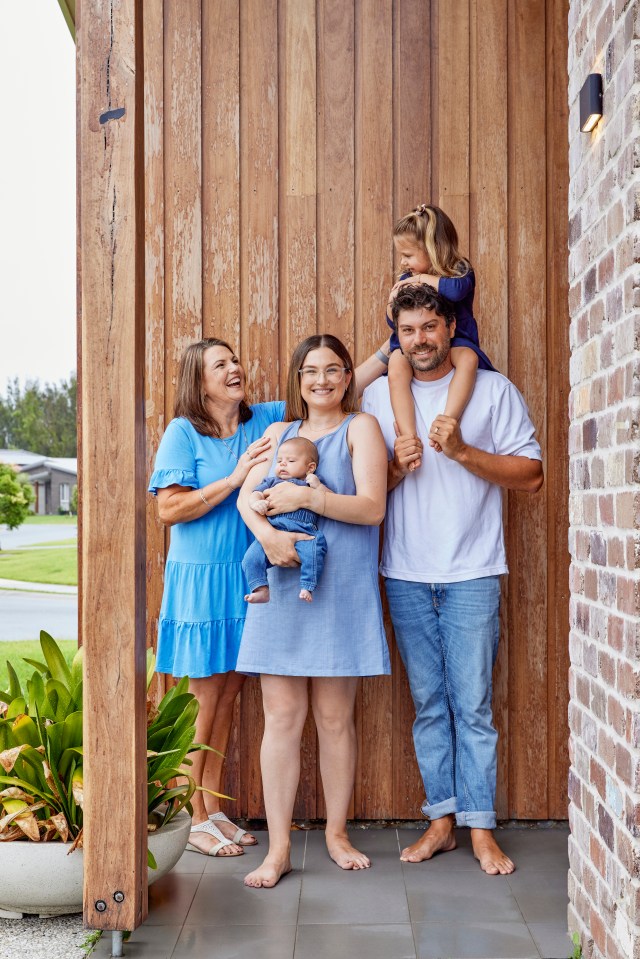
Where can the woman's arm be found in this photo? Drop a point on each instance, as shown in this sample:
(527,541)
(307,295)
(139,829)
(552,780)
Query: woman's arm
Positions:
(180,504)
(369,461)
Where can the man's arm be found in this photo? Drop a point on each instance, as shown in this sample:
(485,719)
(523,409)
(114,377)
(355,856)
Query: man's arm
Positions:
(512,472)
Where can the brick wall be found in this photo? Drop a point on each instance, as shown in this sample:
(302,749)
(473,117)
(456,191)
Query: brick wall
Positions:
(604,301)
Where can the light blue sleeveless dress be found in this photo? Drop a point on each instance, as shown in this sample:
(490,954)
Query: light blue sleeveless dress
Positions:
(203,605)
(341,632)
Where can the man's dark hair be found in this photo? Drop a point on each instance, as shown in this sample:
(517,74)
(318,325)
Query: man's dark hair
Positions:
(417,296)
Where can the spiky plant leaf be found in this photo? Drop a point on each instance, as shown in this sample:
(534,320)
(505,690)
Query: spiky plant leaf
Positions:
(56,662)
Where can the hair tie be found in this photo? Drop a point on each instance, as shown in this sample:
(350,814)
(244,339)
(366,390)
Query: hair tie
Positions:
(421,210)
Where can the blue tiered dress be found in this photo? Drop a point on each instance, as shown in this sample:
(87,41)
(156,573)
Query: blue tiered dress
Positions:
(341,632)
(203,607)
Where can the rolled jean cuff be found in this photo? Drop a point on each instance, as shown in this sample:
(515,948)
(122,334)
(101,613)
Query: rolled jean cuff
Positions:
(440,809)
(476,819)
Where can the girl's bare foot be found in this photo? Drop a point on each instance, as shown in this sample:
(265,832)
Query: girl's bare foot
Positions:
(306,595)
(489,854)
(345,855)
(259,595)
(269,873)
(439,837)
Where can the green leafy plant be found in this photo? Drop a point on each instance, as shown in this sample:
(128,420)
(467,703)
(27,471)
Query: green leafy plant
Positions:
(41,757)
(577,946)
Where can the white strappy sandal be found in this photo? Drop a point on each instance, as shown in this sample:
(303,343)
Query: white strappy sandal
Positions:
(239,833)
(212,830)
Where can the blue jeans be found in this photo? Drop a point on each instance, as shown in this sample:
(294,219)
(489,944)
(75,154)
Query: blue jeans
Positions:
(311,551)
(447,634)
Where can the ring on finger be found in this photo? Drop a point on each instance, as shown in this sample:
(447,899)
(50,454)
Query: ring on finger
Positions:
(436,429)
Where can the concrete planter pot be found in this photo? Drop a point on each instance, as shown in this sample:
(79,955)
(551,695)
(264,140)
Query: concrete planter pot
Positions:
(41,879)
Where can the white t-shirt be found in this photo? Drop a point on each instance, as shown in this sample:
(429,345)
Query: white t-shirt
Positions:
(443,524)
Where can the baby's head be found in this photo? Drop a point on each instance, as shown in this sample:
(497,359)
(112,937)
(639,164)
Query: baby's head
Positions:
(296,457)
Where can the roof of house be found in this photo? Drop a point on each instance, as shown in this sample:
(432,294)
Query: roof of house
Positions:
(22,458)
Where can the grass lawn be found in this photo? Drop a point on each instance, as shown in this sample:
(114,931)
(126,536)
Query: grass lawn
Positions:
(14,651)
(41,566)
(49,520)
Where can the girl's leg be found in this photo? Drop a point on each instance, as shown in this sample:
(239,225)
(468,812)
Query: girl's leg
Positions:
(404,411)
(333,702)
(465,362)
(285,700)
(208,693)
(214,762)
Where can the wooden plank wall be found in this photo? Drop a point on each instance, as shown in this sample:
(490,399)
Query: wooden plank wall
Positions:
(283,138)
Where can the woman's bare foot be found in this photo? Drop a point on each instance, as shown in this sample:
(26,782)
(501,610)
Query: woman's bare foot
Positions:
(345,855)
(439,837)
(269,873)
(489,854)
(306,595)
(259,595)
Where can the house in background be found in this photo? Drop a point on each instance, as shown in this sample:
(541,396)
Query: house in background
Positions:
(52,478)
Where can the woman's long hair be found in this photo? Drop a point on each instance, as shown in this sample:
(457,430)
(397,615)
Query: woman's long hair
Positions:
(296,406)
(190,399)
(431,228)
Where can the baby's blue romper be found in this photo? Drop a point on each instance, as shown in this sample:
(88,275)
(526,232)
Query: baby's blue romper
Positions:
(341,632)
(203,605)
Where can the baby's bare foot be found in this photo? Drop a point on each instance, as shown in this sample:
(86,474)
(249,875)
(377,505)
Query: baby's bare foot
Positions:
(259,595)
(306,595)
(269,873)
(345,855)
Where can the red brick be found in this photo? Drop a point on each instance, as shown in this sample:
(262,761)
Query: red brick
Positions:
(590,581)
(616,716)
(616,553)
(625,766)
(628,510)
(598,777)
(598,931)
(615,632)
(615,386)
(605,505)
(607,668)
(628,596)
(628,680)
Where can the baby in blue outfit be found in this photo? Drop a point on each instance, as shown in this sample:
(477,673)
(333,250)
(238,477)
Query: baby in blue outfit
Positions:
(296,462)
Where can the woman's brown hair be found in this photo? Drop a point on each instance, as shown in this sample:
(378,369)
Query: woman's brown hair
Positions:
(296,406)
(432,229)
(190,400)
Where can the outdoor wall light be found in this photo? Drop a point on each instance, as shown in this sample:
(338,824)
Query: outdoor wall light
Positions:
(590,102)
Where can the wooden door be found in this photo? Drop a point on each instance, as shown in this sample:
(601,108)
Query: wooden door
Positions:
(282,140)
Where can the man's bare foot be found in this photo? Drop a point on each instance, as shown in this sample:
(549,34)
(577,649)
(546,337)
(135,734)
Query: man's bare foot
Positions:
(259,595)
(306,595)
(344,854)
(439,837)
(489,854)
(269,873)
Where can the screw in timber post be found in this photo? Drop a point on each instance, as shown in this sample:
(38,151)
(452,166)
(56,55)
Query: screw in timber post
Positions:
(101,905)
(118,896)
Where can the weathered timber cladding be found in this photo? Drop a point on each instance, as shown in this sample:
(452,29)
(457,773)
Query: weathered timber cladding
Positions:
(282,140)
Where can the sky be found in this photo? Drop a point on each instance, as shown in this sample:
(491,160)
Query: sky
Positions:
(37,206)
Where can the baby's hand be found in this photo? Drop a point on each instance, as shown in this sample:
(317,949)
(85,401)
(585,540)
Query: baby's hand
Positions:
(313,481)
(260,506)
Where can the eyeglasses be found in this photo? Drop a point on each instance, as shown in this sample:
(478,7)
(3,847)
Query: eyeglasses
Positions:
(333,373)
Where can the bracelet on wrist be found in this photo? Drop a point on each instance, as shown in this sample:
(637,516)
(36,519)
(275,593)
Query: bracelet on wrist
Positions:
(204,498)
(383,357)
(230,484)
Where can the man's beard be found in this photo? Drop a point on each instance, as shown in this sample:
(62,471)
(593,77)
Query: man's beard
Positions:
(430,360)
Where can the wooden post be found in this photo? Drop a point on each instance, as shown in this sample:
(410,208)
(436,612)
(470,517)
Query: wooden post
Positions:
(113,461)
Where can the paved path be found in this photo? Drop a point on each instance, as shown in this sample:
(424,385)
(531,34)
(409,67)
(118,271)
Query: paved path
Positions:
(24,585)
(27,535)
(24,614)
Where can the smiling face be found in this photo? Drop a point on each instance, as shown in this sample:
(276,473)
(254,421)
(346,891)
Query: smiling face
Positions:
(294,459)
(223,379)
(323,380)
(425,340)
(413,256)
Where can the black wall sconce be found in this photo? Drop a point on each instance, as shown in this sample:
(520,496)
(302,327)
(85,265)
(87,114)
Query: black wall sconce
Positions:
(590,102)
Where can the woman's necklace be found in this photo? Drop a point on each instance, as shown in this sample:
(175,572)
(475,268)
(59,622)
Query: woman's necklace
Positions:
(232,451)
(319,429)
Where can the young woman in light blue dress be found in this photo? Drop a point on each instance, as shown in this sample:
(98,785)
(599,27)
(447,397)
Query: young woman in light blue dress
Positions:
(338,637)
(203,459)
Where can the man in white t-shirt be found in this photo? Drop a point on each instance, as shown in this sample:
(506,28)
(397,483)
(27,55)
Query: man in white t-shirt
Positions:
(442,559)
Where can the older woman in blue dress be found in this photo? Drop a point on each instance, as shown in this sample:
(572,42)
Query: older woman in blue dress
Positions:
(338,637)
(204,457)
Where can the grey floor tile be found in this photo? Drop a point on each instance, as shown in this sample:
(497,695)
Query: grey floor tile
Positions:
(536,849)
(146,942)
(190,862)
(359,941)
(464,898)
(170,899)
(481,940)
(236,942)
(365,896)
(552,939)
(541,896)
(226,901)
